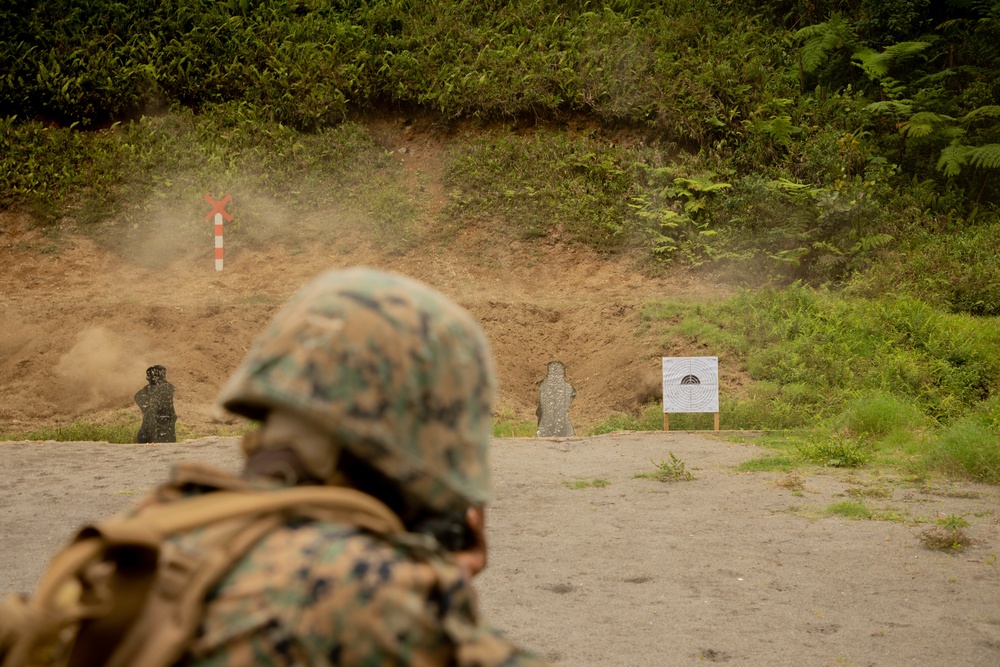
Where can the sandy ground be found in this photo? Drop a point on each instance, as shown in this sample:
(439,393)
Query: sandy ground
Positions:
(737,568)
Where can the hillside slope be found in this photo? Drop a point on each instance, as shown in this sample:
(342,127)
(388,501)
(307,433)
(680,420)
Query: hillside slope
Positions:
(82,323)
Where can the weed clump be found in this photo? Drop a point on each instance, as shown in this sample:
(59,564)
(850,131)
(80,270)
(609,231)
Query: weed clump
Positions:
(673,470)
(948,535)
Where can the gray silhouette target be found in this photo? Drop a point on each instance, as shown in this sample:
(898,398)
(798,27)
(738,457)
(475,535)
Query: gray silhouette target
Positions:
(690,384)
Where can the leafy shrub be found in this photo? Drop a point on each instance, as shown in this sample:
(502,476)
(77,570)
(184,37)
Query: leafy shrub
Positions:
(544,184)
(878,415)
(971,445)
(947,535)
(953,268)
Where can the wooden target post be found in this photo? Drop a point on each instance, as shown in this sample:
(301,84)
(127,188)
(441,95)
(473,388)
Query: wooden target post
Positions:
(218,212)
(690,384)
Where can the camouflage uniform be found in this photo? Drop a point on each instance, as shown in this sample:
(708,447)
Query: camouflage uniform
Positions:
(323,593)
(399,377)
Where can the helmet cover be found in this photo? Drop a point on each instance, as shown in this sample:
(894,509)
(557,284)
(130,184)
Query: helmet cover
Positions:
(394,371)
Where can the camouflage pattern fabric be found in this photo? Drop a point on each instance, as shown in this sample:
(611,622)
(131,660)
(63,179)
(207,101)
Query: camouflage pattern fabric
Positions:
(393,370)
(320,593)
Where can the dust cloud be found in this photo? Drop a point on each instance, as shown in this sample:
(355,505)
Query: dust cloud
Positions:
(103,369)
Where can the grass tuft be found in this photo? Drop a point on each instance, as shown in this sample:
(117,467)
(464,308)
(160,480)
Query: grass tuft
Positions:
(119,431)
(581,483)
(777,463)
(850,509)
(971,446)
(506,424)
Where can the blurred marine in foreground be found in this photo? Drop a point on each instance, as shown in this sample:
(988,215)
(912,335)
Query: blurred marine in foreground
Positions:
(381,384)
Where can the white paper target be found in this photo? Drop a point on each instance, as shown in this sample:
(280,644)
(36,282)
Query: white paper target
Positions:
(690,384)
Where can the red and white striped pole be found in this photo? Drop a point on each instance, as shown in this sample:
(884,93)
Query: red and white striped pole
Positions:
(219,212)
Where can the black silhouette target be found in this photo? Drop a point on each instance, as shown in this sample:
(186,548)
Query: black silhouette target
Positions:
(690,384)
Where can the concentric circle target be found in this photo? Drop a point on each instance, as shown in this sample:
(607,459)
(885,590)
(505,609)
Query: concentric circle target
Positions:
(690,384)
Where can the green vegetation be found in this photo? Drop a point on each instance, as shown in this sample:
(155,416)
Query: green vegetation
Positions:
(850,509)
(673,470)
(809,140)
(650,419)
(120,430)
(582,483)
(507,425)
(118,183)
(841,158)
(890,380)
(836,453)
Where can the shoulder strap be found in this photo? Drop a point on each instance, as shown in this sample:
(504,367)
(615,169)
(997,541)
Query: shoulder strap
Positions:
(150,526)
(158,597)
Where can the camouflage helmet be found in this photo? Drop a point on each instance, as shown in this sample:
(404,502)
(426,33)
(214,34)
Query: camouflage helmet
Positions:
(395,372)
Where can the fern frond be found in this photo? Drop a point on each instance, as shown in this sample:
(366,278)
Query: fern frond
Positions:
(953,158)
(814,54)
(872,63)
(780,129)
(922,124)
(990,111)
(894,107)
(822,38)
(873,242)
(929,117)
(932,79)
(915,130)
(987,156)
(904,50)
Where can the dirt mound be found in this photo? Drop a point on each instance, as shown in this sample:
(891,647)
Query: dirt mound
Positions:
(81,323)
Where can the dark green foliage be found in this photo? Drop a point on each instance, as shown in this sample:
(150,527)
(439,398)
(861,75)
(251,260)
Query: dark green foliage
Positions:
(579,187)
(931,73)
(787,141)
(308,63)
(956,268)
(546,183)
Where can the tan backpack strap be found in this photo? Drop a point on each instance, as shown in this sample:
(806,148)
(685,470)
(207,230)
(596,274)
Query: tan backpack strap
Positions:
(56,604)
(162,634)
(63,566)
(168,616)
(349,506)
(237,519)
